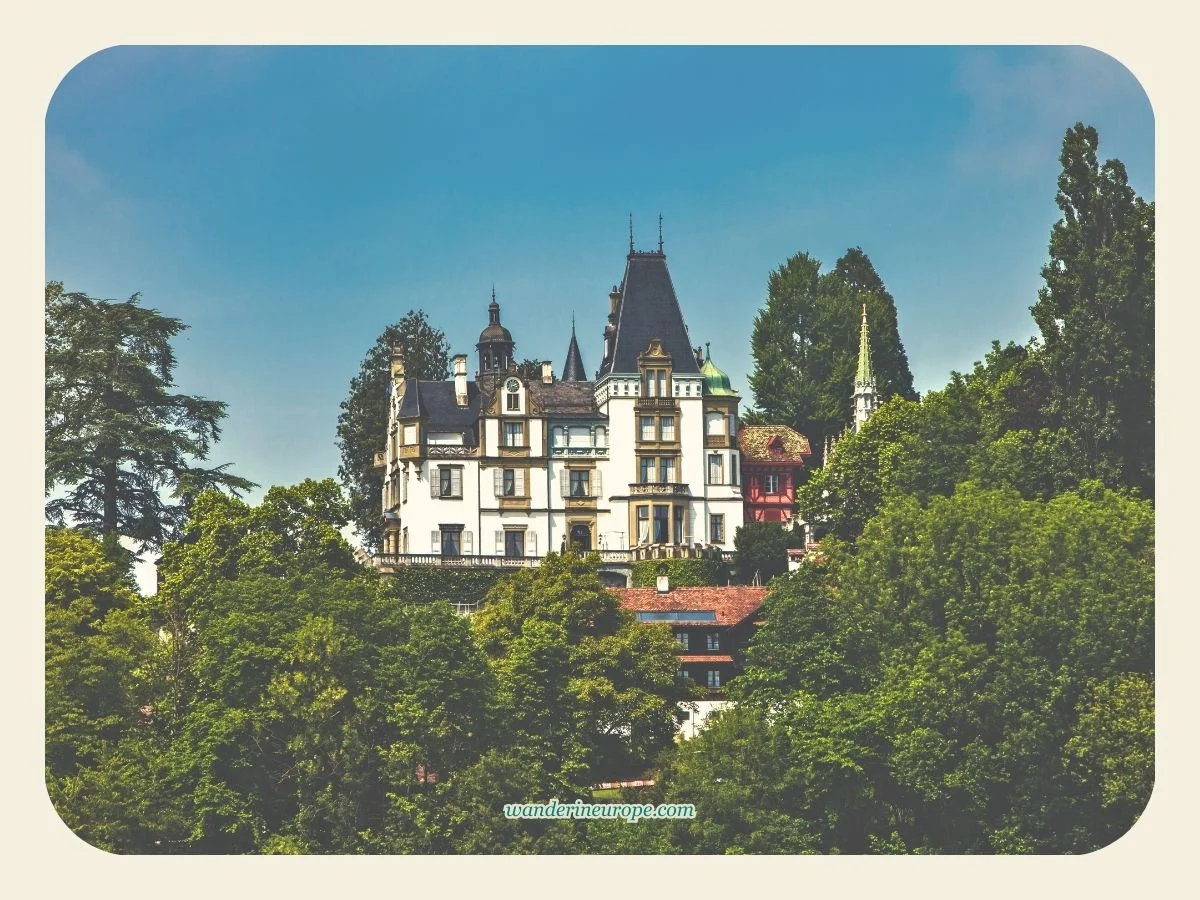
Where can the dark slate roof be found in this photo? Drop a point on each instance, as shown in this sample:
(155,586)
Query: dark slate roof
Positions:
(437,407)
(573,370)
(649,309)
(565,399)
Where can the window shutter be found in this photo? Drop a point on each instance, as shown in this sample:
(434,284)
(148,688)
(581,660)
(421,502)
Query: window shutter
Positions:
(596,483)
(435,482)
(564,482)
(499,477)
(531,541)
(467,543)
(520,476)
(499,543)
(456,482)
(436,542)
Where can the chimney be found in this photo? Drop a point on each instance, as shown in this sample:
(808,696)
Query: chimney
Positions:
(664,584)
(547,372)
(397,371)
(460,379)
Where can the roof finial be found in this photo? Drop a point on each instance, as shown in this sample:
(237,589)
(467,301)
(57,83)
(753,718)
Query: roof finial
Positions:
(707,350)
(493,292)
(660,232)
(631,232)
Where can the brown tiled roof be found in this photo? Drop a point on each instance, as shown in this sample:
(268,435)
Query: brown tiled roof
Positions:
(755,443)
(709,659)
(731,604)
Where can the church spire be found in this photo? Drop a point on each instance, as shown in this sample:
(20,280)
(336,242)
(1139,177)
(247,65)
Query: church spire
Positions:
(573,369)
(866,395)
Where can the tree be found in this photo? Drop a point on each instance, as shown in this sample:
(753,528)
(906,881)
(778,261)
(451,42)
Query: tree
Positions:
(760,551)
(1096,316)
(115,433)
(362,422)
(106,770)
(584,688)
(805,345)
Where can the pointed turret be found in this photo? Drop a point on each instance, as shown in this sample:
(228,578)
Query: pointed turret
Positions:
(573,370)
(866,395)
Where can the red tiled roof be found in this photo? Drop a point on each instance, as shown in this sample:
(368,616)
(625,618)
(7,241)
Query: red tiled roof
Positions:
(731,604)
(713,658)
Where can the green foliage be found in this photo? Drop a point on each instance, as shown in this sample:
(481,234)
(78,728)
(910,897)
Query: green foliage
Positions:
(760,551)
(362,422)
(1096,315)
(974,677)
(805,345)
(682,572)
(420,584)
(586,690)
(105,772)
(115,433)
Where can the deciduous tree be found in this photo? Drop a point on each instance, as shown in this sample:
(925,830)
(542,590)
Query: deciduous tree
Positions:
(362,422)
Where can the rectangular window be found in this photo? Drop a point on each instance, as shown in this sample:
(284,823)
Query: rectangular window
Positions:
(662,384)
(410,434)
(681,638)
(770,484)
(647,464)
(662,522)
(449,483)
(451,543)
(643,524)
(714,678)
(716,528)
(510,482)
(713,641)
(716,469)
(579,483)
(677,524)
(512,402)
(514,543)
(666,469)
(647,428)
(514,434)
(667,428)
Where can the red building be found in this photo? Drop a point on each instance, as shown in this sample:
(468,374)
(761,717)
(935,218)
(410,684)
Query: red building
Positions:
(772,457)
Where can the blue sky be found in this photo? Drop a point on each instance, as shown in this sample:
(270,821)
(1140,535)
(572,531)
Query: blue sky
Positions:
(290,202)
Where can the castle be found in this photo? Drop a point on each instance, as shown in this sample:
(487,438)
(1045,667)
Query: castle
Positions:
(646,460)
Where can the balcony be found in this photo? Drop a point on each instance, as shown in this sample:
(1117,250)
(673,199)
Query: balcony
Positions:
(379,462)
(716,441)
(659,489)
(449,451)
(655,403)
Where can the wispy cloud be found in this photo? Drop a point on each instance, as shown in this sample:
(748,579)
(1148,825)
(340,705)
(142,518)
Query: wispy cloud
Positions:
(1020,107)
(74,183)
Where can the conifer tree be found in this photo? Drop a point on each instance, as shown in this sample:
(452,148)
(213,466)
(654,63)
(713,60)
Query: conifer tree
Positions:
(116,434)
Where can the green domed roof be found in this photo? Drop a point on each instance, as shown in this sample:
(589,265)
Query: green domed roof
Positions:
(716,382)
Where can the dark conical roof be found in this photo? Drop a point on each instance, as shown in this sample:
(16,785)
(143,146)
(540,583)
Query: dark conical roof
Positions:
(648,309)
(573,370)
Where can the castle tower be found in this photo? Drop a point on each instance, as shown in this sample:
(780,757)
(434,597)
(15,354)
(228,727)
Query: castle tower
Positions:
(866,394)
(573,369)
(495,343)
